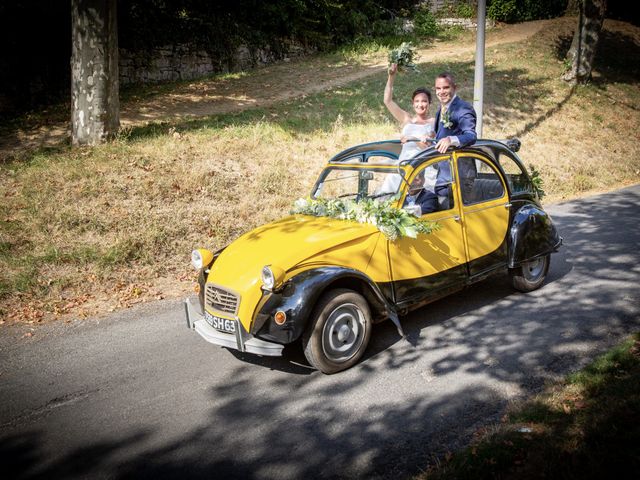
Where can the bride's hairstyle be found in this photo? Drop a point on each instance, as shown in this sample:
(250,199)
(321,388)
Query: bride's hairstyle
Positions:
(420,90)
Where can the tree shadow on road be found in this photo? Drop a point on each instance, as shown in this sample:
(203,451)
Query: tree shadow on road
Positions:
(319,442)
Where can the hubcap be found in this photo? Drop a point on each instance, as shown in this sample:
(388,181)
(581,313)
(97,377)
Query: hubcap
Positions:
(343,333)
(534,269)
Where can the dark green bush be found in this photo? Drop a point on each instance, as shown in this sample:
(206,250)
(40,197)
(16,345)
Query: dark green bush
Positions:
(424,23)
(512,11)
(465,10)
(503,10)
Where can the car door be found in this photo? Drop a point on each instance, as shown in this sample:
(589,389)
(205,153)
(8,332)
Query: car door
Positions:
(485,206)
(432,263)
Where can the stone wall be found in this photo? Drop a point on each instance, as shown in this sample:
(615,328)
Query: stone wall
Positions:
(465,22)
(468,23)
(184,62)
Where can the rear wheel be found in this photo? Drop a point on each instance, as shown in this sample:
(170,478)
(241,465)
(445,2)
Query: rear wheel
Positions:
(530,275)
(339,331)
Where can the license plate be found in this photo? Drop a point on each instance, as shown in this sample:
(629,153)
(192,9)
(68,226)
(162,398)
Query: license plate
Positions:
(220,324)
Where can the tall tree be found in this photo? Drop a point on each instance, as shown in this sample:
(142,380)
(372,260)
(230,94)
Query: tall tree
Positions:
(95,103)
(585,40)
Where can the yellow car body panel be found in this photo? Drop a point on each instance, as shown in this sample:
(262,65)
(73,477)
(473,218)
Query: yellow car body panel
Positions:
(484,225)
(357,254)
(294,243)
(412,258)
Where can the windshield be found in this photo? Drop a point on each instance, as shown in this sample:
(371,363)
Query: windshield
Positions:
(356,184)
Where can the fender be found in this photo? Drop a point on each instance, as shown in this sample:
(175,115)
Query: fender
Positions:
(299,295)
(532,235)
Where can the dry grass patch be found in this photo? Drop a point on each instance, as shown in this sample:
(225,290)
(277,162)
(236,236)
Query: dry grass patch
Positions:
(92,230)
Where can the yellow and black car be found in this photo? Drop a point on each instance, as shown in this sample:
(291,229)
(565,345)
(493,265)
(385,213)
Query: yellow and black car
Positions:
(325,281)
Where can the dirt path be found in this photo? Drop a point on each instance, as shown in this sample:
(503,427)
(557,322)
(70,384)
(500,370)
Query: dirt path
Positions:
(260,88)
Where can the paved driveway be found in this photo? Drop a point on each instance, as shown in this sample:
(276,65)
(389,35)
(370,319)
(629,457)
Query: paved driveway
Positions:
(138,395)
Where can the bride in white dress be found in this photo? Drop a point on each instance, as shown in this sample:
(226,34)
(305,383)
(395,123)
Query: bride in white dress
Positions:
(416,129)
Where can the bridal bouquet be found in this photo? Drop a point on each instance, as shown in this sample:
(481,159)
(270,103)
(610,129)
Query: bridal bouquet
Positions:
(405,56)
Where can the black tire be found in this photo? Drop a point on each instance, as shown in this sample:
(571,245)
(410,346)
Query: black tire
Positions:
(530,275)
(338,332)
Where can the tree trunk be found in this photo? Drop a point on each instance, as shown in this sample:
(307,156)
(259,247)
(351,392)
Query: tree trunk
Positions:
(95,103)
(585,40)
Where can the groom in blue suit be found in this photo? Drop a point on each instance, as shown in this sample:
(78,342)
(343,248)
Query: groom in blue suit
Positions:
(455,119)
(455,127)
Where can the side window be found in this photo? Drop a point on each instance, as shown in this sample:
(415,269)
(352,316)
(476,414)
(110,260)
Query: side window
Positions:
(442,184)
(431,188)
(479,182)
(517,179)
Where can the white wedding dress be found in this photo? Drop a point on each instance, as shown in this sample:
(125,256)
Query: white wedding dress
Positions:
(409,150)
(415,130)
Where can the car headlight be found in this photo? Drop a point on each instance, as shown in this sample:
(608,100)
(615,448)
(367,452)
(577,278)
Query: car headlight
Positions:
(200,258)
(271,277)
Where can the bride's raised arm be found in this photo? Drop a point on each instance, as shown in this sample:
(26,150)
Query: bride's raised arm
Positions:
(399,114)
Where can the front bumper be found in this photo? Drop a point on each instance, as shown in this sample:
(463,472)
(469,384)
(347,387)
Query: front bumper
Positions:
(241,340)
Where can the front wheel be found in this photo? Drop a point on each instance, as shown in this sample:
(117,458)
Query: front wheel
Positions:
(339,331)
(530,275)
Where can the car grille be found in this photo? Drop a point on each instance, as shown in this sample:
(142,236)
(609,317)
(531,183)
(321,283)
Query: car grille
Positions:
(221,300)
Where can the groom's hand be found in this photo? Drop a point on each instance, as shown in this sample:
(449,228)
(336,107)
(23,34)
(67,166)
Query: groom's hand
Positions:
(443,144)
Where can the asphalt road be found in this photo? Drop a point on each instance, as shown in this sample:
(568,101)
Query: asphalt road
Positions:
(138,395)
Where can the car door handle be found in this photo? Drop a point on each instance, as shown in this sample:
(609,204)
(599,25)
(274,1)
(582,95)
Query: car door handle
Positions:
(456,218)
(507,205)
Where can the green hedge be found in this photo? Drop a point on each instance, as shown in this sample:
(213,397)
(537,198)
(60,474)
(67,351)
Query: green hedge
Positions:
(512,11)
(220,26)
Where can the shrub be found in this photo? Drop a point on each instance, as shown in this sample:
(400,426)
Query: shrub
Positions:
(512,11)
(503,10)
(424,23)
(465,10)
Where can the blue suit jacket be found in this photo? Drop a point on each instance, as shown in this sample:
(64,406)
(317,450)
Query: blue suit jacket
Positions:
(427,200)
(463,119)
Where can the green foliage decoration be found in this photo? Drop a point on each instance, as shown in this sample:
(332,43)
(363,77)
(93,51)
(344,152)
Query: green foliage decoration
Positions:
(536,180)
(405,56)
(393,222)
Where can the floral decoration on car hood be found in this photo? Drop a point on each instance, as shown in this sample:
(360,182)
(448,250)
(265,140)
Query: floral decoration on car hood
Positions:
(393,222)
